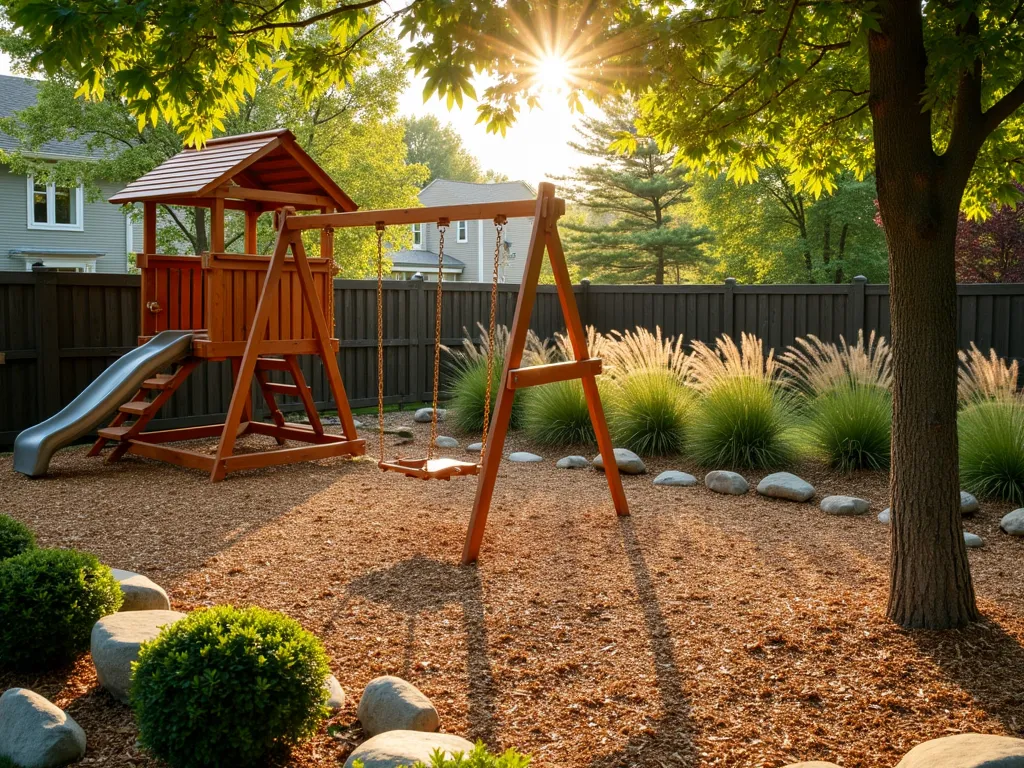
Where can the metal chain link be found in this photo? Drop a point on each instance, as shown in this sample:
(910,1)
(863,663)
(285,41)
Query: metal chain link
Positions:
(442,227)
(499,229)
(380,337)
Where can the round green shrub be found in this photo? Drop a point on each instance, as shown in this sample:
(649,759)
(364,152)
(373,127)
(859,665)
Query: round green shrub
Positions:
(648,411)
(557,414)
(850,427)
(468,391)
(742,422)
(228,687)
(992,449)
(49,601)
(15,537)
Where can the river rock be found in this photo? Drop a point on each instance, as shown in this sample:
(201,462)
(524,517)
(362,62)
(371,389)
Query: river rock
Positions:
(475,447)
(785,485)
(35,733)
(724,481)
(968,504)
(140,594)
(572,462)
(399,749)
(1013,523)
(525,457)
(335,693)
(443,441)
(973,540)
(392,704)
(627,461)
(115,645)
(811,764)
(844,505)
(885,516)
(424,415)
(675,477)
(966,750)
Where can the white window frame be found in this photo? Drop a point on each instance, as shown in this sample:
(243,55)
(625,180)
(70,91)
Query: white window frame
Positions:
(417,234)
(51,207)
(462,231)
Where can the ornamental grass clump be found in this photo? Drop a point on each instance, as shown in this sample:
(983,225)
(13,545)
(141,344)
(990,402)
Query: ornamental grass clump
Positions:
(229,687)
(648,412)
(812,366)
(49,601)
(992,449)
(15,537)
(985,377)
(850,426)
(743,417)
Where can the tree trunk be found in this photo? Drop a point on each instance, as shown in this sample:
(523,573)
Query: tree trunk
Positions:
(202,240)
(919,198)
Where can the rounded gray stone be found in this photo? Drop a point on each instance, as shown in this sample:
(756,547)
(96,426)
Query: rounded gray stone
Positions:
(115,643)
(966,750)
(885,516)
(443,441)
(393,704)
(973,540)
(968,504)
(724,481)
(335,693)
(572,462)
(525,457)
(1013,523)
(424,415)
(844,505)
(475,447)
(398,749)
(627,461)
(140,593)
(35,733)
(785,485)
(675,477)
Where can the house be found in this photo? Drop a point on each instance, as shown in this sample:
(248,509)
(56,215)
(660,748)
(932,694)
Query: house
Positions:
(468,245)
(57,226)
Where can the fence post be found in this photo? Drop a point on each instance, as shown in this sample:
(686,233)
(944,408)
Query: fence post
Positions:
(855,309)
(584,302)
(728,307)
(47,342)
(419,314)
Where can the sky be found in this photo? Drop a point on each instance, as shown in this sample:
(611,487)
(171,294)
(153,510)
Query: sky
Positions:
(534,149)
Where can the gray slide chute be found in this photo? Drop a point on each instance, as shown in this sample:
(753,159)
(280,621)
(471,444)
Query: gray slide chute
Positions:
(98,401)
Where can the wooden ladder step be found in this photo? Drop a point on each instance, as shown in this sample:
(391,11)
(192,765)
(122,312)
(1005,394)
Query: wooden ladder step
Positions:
(137,407)
(114,433)
(282,389)
(160,381)
(536,375)
(271,364)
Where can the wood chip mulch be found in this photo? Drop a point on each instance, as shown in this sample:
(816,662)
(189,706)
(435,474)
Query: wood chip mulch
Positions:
(704,630)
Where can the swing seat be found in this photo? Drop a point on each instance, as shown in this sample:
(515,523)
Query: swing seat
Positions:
(430,469)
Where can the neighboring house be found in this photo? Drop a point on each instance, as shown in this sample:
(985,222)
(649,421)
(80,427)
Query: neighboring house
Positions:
(57,226)
(468,245)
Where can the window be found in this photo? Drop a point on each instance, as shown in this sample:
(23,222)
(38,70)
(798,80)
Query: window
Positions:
(462,231)
(54,207)
(417,236)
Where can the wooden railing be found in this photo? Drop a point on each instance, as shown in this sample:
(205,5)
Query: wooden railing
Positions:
(172,293)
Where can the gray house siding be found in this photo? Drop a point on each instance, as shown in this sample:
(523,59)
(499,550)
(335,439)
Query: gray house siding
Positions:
(104,229)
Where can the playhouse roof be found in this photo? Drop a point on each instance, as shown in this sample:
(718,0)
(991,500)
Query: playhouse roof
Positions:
(265,170)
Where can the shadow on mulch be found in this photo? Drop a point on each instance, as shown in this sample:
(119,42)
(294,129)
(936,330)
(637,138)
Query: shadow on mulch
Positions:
(422,585)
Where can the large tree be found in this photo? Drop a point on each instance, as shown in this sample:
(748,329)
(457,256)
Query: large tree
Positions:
(440,148)
(633,233)
(926,94)
(991,251)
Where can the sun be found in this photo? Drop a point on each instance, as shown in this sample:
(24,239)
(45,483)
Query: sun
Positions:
(552,73)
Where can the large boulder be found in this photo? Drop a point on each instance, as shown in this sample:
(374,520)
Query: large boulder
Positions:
(115,645)
(396,749)
(34,733)
(966,750)
(424,415)
(723,481)
(1013,523)
(968,504)
(676,478)
(392,704)
(627,461)
(785,485)
(524,457)
(140,594)
(844,505)
(572,462)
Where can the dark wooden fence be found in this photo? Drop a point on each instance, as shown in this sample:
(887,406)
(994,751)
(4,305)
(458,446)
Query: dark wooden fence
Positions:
(59,330)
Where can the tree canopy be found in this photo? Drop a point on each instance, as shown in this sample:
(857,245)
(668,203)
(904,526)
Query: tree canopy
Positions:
(439,148)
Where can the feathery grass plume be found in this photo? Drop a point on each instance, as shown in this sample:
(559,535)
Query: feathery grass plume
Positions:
(641,350)
(814,366)
(649,410)
(597,345)
(850,426)
(707,366)
(985,378)
(992,449)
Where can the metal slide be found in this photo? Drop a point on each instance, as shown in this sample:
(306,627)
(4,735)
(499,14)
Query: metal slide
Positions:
(98,401)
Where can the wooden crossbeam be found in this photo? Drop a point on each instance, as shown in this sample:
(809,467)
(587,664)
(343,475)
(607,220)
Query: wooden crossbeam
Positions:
(392,216)
(535,375)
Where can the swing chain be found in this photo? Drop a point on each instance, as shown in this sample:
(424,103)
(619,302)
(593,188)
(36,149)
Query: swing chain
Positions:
(499,232)
(442,227)
(380,338)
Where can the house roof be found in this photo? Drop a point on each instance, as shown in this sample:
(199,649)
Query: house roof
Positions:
(446,192)
(234,166)
(18,93)
(424,259)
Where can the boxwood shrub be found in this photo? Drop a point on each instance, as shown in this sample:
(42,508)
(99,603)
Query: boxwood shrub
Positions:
(15,537)
(49,600)
(229,687)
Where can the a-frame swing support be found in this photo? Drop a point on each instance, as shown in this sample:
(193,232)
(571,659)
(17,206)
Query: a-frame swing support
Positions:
(546,211)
